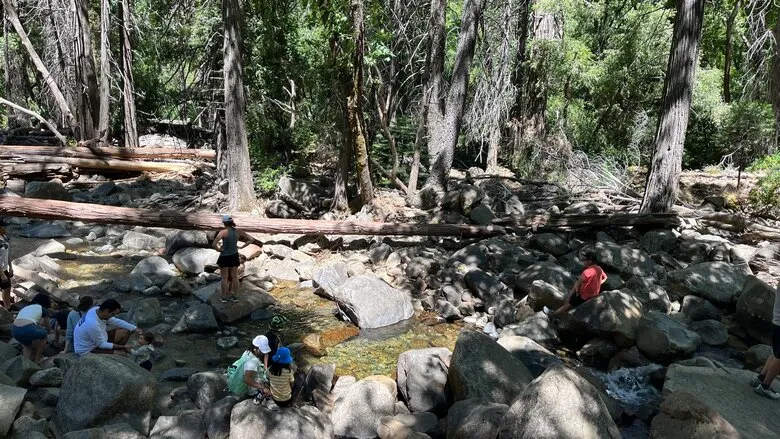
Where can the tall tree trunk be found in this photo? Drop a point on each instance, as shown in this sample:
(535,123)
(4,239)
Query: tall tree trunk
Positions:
(355,119)
(774,83)
(13,79)
(105,90)
(44,72)
(664,176)
(518,78)
(445,117)
(241,195)
(729,49)
(89,98)
(128,85)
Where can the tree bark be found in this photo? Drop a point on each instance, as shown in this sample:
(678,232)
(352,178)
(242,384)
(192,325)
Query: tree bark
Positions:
(44,72)
(89,97)
(445,117)
(128,85)
(664,176)
(241,195)
(355,119)
(98,152)
(97,213)
(105,90)
(109,164)
(13,75)
(729,49)
(774,83)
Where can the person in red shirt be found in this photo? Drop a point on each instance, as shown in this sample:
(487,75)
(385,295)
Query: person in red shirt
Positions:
(588,286)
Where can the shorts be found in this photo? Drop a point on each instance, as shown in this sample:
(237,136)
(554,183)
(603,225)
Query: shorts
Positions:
(576,300)
(27,334)
(227,261)
(146,364)
(5,282)
(776,341)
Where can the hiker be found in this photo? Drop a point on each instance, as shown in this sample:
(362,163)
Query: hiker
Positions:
(85,303)
(247,375)
(285,383)
(588,286)
(91,333)
(142,352)
(274,341)
(27,328)
(226,242)
(59,324)
(6,269)
(762,384)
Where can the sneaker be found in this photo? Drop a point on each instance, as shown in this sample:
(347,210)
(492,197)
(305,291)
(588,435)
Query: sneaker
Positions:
(766,392)
(223,300)
(547,311)
(233,299)
(756,381)
(270,405)
(258,399)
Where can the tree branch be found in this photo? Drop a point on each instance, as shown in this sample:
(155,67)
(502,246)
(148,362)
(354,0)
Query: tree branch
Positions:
(48,124)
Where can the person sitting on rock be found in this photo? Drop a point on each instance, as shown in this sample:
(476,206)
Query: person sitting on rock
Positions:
(100,332)
(27,328)
(142,353)
(6,269)
(588,286)
(762,384)
(247,375)
(59,324)
(226,243)
(85,303)
(283,379)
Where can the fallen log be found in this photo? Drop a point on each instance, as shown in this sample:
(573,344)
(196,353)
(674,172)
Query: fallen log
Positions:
(112,164)
(567,221)
(24,170)
(96,213)
(103,152)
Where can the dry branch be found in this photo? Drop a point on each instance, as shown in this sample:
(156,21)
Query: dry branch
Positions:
(52,128)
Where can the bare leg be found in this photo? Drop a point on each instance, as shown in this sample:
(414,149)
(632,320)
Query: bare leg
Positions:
(39,346)
(772,371)
(563,309)
(7,299)
(767,364)
(225,285)
(27,352)
(119,336)
(233,276)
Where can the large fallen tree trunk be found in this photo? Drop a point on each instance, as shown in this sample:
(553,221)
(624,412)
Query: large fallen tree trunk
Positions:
(29,170)
(111,164)
(567,221)
(100,153)
(96,213)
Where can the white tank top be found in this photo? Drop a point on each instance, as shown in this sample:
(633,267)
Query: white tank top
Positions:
(31,313)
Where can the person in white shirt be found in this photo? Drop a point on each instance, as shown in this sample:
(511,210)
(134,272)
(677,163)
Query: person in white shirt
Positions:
(91,334)
(31,327)
(6,269)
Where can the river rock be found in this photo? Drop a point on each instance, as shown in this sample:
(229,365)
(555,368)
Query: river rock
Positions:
(146,312)
(597,353)
(249,421)
(330,276)
(51,377)
(19,370)
(695,308)
(652,295)
(116,431)
(7,351)
(661,337)
(103,390)
(199,318)
(475,418)
(319,377)
(186,238)
(482,215)
(138,283)
(177,287)
(473,256)
(752,415)
(25,427)
(45,230)
(624,259)
(227,343)
(559,404)
(422,379)
(12,398)
(251,297)
(358,410)
(193,260)
(549,243)
(280,209)
(421,267)
(486,287)
(481,368)
(719,282)
(49,247)
(217,417)
(537,327)
(534,356)
(712,332)
(656,241)
(187,425)
(178,374)
(48,190)
(683,416)
(141,241)
(308,196)
(754,309)
(372,303)
(155,268)
(38,264)
(407,426)
(548,272)
(542,294)
(756,356)
(608,313)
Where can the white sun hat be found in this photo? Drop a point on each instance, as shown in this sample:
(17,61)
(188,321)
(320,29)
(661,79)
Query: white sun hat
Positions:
(261,342)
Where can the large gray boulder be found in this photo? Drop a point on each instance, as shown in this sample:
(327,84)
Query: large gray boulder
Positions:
(481,368)
(251,297)
(206,388)
(475,418)
(560,404)
(199,318)
(19,370)
(330,276)
(652,295)
(186,238)
(537,327)
(684,416)
(371,303)
(695,308)
(754,309)
(718,282)
(46,230)
(609,313)
(217,417)
(534,356)
(358,410)
(115,431)
(549,243)
(422,379)
(549,272)
(542,294)
(105,389)
(656,241)
(146,312)
(49,190)
(486,287)
(141,241)
(248,421)
(186,425)
(49,247)
(712,332)
(12,398)
(660,337)
(155,268)
(625,260)
(193,260)
(301,194)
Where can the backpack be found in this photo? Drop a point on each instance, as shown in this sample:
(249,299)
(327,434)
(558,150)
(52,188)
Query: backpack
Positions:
(235,375)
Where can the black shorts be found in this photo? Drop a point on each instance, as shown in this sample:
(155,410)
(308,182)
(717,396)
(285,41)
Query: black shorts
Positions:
(5,283)
(576,300)
(226,261)
(776,341)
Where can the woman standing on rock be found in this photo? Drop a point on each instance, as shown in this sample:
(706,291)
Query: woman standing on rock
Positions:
(6,269)
(26,328)
(226,243)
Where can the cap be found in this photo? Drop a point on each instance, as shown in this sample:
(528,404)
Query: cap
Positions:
(261,342)
(227,218)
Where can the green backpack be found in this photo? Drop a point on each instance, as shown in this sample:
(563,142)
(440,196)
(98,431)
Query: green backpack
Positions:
(235,375)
